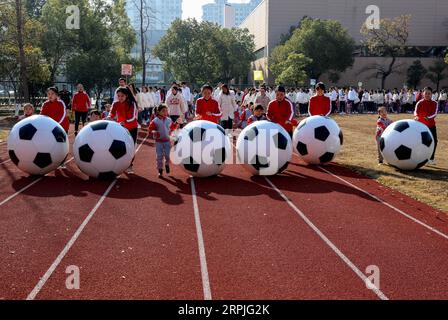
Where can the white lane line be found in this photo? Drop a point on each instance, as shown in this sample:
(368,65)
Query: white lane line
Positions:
(201,246)
(387,204)
(6,161)
(344,258)
(67,247)
(72,241)
(27,187)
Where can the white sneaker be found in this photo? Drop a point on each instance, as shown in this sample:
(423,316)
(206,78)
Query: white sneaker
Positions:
(432,162)
(130,170)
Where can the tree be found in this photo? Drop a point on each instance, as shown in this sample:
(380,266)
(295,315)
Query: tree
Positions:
(294,71)
(388,41)
(205,52)
(143,21)
(325,42)
(21,60)
(234,51)
(101,49)
(415,74)
(21,47)
(58,42)
(436,73)
(446,58)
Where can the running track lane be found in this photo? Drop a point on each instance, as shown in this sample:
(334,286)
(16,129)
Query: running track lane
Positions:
(411,258)
(37,223)
(256,248)
(140,244)
(12,178)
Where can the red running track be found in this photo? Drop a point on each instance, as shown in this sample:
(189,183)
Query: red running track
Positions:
(306,234)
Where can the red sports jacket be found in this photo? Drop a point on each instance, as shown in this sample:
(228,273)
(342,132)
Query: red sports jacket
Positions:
(56,110)
(125,113)
(203,106)
(426,112)
(81,102)
(280,113)
(319,106)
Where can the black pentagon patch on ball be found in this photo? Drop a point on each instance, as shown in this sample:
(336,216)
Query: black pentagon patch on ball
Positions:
(401,126)
(321,133)
(42,160)
(99,126)
(13,157)
(85,153)
(259,162)
(117,149)
(327,157)
(403,153)
(341,137)
(220,156)
(302,148)
(420,165)
(177,140)
(59,134)
(197,134)
(280,141)
(426,139)
(190,165)
(27,132)
(382,144)
(251,134)
(221,129)
(107,175)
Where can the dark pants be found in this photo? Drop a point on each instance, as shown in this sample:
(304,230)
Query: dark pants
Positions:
(174,118)
(333,107)
(133,133)
(341,106)
(303,108)
(80,116)
(436,141)
(227,124)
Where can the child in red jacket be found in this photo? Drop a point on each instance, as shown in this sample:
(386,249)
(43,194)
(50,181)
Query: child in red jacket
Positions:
(55,108)
(207,108)
(320,105)
(426,113)
(126,111)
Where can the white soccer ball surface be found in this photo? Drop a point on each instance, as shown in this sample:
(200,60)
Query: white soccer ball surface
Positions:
(103,149)
(264,148)
(37,145)
(407,144)
(317,140)
(201,149)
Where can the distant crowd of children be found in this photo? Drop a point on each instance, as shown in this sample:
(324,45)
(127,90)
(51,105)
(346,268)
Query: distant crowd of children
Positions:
(230,108)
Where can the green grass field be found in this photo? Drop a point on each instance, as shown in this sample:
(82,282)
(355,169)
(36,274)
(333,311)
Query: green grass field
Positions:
(429,184)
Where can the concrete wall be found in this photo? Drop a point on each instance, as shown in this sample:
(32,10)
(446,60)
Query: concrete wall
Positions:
(429,21)
(257,25)
(428,27)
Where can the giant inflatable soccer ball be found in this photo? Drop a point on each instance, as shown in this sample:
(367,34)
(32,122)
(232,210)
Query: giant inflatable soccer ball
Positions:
(202,149)
(407,144)
(317,140)
(103,149)
(37,145)
(264,148)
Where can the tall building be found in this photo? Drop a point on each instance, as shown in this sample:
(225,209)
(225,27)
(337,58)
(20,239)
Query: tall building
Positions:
(215,12)
(159,14)
(427,40)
